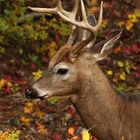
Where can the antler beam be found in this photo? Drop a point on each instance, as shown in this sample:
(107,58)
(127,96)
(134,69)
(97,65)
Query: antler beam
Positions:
(71,16)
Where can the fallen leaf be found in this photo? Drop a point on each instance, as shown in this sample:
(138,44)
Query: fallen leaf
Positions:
(71,131)
(85,134)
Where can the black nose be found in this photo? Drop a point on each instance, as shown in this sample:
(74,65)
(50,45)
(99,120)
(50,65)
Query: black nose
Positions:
(31,93)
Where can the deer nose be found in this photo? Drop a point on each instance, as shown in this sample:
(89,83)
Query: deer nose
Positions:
(30,93)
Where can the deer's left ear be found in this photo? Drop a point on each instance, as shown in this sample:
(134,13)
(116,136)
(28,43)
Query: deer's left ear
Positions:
(102,52)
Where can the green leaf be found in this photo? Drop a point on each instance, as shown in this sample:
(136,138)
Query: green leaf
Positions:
(2,0)
(53,100)
(137,13)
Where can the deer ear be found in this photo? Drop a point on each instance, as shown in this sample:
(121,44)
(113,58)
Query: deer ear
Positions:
(75,36)
(103,52)
(79,34)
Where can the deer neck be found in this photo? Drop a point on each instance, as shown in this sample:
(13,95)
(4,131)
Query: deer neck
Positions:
(98,103)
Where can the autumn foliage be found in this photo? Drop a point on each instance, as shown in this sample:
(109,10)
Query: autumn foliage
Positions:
(28,41)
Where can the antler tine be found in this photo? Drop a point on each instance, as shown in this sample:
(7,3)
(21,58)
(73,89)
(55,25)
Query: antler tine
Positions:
(93,30)
(83,11)
(61,10)
(44,10)
(75,8)
(100,17)
(71,18)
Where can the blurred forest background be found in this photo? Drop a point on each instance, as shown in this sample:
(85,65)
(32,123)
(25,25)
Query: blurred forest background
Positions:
(27,42)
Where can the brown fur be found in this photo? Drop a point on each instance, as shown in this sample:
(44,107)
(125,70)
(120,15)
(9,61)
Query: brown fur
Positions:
(102,108)
(73,73)
(111,115)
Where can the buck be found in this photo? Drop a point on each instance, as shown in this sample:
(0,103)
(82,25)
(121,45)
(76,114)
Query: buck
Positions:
(74,73)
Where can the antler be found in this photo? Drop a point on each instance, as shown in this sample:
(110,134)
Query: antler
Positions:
(71,18)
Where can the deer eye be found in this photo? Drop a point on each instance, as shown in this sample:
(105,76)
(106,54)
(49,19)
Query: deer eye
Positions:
(62,71)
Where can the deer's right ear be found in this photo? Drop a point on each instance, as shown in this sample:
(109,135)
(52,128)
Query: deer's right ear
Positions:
(79,34)
(102,52)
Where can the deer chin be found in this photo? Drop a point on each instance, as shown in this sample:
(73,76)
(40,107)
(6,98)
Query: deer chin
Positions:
(73,97)
(44,94)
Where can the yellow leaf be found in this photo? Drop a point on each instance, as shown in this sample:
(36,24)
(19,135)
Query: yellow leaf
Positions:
(41,129)
(9,84)
(132,18)
(27,110)
(123,76)
(85,134)
(40,114)
(110,72)
(52,49)
(120,24)
(2,83)
(120,64)
(29,104)
(37,74)
(104,23)
(52,100)
(4,135)
(129,25)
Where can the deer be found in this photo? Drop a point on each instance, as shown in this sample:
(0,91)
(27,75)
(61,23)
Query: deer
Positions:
(74,73)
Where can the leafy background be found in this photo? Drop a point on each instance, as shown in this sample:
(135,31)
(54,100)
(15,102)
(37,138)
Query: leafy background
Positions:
(27,42)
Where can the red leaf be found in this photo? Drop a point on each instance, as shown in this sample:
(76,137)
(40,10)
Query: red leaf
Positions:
(135,48)
(45,59)
(136,74)
(8,78)
(107,5)
(22,82)
(56,136)
(7,89)
(56,38)
(134,67)
(71,110)
(127,51)
(33,66)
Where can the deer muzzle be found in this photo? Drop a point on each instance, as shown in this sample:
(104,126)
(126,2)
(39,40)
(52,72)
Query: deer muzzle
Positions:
(31,93)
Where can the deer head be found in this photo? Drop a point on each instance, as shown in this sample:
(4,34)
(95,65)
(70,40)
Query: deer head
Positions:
(65,72)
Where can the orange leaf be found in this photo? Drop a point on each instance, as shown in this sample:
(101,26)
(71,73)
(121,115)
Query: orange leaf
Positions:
(117,50)
(71,131)
(129,25)
(25,120)
(75,138)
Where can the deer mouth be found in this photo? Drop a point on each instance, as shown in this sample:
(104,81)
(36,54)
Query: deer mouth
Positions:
(43,97)
(34,93)
(31,93)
